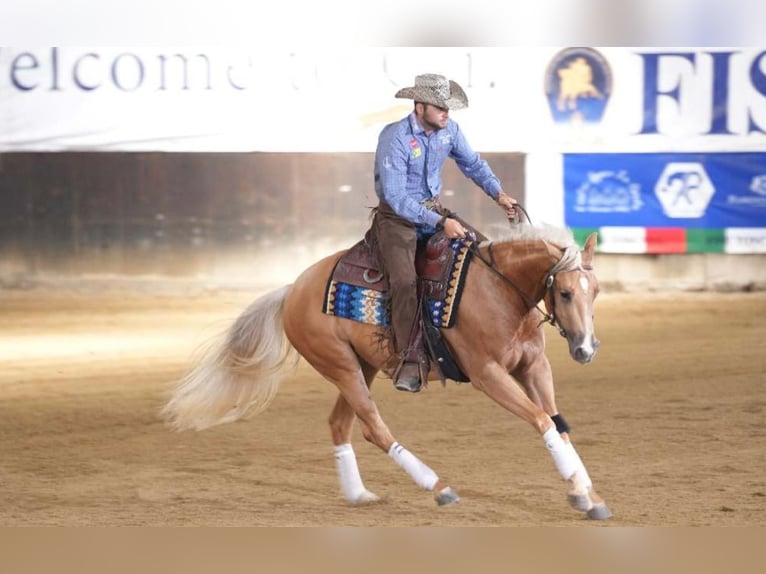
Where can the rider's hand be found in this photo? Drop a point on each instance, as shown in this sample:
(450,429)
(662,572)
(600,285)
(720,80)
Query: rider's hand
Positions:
(453,228)
(508,204)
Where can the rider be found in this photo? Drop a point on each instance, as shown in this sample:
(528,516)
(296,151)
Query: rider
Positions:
(408,162)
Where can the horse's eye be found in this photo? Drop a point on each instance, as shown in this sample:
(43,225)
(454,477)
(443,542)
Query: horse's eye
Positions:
(566,296)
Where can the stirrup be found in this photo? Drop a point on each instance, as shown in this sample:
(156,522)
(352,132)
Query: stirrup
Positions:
(407,377)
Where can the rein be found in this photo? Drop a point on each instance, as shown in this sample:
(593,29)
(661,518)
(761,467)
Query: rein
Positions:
(549,279)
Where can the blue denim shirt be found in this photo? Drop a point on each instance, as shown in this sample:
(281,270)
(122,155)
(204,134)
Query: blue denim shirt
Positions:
(408,166)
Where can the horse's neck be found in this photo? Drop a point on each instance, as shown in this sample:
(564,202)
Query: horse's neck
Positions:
(526,263)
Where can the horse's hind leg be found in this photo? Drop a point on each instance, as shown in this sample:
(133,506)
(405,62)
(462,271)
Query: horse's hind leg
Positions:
(537,381)
(356,402)
(341,422)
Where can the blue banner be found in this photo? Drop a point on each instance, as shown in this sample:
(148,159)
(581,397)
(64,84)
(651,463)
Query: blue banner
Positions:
(686,190)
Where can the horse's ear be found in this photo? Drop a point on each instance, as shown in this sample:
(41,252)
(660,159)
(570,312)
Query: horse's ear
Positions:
(590,248)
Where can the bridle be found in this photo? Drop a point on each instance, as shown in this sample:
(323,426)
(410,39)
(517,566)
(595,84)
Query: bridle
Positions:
(550,279)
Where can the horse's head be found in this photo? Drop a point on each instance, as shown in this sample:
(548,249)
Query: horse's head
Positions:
(571,289)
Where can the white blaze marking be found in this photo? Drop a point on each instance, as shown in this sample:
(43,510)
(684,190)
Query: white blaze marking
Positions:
(584,283)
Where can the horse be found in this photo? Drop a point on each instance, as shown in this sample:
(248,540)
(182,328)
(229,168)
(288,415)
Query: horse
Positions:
(497,341)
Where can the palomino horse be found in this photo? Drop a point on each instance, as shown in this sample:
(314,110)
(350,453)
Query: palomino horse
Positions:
(497,341)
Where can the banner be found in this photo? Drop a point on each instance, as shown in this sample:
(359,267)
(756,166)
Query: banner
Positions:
(689,190)
(639,240)
(522,99)
(669,203)
(623,138)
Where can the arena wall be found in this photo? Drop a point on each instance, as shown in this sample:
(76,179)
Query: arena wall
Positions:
(244,220)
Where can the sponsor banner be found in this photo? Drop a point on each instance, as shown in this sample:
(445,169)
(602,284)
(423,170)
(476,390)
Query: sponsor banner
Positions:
(668,240)
(665,190)
(522,99)
(665,240)
(705,240)
(741,240)
(622,240)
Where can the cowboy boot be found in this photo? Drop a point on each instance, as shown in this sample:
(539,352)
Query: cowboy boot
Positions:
(407,377)
(412,371)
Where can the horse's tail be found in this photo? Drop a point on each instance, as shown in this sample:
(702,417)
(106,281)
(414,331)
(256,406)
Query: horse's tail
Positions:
(239,372)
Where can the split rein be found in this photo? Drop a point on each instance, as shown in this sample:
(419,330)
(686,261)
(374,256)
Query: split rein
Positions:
(549,280)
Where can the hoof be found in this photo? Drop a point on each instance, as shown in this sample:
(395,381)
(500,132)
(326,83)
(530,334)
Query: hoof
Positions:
(580,502)
(366,497)
(446,496)
(594,510)
(599,511)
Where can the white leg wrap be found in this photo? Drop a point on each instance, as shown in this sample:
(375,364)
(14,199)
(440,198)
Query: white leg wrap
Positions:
(348,471)
(582,476)
(423,476)
(564,458)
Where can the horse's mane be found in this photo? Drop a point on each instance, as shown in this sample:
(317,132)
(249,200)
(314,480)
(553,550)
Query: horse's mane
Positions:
(562,237)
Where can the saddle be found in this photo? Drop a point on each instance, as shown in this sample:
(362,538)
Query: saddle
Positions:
(435,263)
(361,266)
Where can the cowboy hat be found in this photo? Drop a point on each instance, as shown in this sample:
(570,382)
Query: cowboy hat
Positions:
(436,90)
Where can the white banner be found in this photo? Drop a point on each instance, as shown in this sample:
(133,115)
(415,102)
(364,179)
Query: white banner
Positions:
(525,99)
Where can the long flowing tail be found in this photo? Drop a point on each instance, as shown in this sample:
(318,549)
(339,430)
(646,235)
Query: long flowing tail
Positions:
(240,371)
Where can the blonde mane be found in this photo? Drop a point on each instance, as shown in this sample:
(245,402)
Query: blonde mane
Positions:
(561,237)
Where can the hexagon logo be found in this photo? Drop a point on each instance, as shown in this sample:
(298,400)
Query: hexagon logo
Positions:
(684,190)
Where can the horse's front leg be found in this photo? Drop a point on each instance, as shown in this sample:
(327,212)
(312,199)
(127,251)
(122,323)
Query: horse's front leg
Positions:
(537,380)
(497,384)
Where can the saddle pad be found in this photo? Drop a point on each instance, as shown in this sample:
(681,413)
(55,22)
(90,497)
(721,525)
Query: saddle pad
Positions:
(366,305)
(360,304)
(443,311)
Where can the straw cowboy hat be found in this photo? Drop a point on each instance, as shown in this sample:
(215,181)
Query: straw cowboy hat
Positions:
(436,90)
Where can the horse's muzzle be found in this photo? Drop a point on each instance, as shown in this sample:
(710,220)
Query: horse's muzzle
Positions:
(586,351)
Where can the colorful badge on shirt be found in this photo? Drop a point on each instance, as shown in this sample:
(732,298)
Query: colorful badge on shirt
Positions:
(416,151)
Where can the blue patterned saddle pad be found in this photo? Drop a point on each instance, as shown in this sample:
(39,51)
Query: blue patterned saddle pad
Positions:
(369,305)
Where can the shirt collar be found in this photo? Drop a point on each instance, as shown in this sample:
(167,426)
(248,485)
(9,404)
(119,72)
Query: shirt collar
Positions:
(417,129)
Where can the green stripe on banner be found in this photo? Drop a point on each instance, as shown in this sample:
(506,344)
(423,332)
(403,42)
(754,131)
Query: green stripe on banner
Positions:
(705,240)
(582,233)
